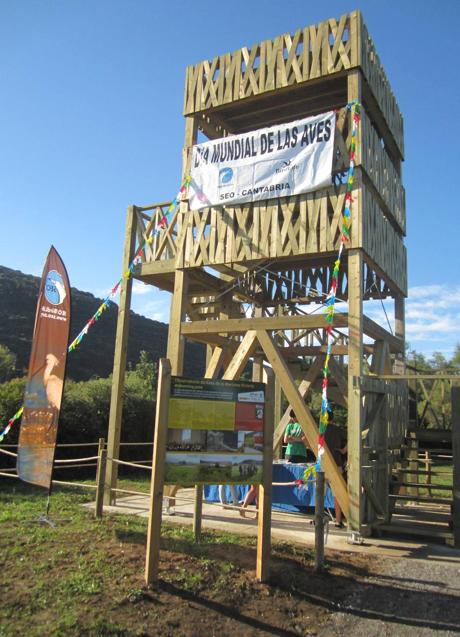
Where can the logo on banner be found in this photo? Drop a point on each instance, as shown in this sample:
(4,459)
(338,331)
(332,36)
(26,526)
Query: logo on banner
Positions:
(225,177)
(286,166)
(54,288)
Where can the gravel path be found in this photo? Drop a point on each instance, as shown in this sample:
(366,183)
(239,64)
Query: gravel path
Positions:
(416,597)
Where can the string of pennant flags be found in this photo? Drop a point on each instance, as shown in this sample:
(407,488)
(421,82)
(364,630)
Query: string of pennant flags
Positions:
(329,310)
(355,108)
(162,224)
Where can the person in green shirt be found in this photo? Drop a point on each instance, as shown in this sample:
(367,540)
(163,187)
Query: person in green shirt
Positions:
(295,440)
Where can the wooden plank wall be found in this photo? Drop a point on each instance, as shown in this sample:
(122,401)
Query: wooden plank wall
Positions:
(396,398)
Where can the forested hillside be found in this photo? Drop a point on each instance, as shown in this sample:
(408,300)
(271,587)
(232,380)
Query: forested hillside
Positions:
(94,356)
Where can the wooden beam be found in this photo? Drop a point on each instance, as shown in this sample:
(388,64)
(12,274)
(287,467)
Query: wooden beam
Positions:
(176,341)
(304,388)
(242,354)
(152,558)
(380,358)
(264,504)
(336,396)
(456,463)
(215,340)
(314,350)
(355,369)
(234,326)
(304,417)
(119,363)
(399,365)
(338,375)
(378,333)
(215,363)
(419,377)
(152,268)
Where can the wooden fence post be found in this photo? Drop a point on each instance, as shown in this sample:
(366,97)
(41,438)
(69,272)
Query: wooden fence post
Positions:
(198,512)
(456,464)
(100,478)
(264,504)
(319,522)
(152,557)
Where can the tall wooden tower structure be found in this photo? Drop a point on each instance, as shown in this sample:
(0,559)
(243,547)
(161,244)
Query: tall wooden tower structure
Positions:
(249,280)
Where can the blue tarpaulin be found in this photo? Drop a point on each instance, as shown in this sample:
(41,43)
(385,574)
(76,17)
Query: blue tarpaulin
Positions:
(291,498)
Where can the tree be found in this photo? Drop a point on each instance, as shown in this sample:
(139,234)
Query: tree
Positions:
(146,371)
(455,361)
(7,364)
(438,361)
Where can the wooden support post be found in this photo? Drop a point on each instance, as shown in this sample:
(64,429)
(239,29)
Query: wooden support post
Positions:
(319,522)
(119,362)
(412,456)
(277,448)
(399,365)
(265,490)
(355,370)
(100,478)
(257,368)
(152,557)
(191,131)
(428,471)
(197,512)
(176,341)
(380,358)
(456,463)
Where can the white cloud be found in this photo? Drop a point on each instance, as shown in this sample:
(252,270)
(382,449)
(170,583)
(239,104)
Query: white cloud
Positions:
(156,307)
(433,318)
(140,288)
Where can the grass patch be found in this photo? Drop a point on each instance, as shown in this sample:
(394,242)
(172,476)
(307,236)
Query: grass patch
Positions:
(442,475)
(85,576)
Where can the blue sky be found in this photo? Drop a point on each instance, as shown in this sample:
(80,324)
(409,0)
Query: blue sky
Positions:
(92,94)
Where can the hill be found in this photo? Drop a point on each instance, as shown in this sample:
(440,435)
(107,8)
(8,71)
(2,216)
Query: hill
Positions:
(94,356)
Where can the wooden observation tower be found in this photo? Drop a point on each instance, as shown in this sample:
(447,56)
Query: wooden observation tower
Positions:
(249,280)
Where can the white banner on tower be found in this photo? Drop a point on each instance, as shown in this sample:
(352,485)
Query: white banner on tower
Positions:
(278,161)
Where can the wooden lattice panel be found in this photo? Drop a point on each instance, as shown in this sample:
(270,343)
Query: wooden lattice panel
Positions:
(381,241)
(378,82)
(271,285)
(331,47)
(309,53)
(287,227)
(382,173)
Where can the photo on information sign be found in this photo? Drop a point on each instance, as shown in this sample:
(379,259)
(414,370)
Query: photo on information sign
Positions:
(215,432)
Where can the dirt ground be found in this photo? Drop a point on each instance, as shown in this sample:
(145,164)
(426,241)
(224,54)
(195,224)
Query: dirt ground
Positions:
(85,577)
(356,594)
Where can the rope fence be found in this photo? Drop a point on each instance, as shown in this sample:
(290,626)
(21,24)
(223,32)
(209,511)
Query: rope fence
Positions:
(100,487)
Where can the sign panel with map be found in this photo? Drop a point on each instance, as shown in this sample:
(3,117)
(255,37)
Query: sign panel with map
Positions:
(215,432)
